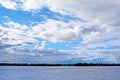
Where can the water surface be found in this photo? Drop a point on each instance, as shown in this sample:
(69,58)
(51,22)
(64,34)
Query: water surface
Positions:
(59,73)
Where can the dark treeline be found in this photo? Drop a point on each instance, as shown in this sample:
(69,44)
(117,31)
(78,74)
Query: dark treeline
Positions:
(45,64)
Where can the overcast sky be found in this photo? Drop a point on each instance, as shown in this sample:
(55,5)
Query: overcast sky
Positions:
(60,31)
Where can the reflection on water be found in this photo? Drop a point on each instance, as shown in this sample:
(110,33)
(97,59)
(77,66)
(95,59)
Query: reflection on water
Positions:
(59,73)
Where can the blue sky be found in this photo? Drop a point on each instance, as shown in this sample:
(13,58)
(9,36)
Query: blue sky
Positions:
(58,31)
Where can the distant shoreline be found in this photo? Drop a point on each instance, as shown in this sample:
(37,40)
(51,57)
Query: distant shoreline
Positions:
(44,64)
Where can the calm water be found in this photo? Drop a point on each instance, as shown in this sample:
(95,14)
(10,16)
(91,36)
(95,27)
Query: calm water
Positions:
(59,73)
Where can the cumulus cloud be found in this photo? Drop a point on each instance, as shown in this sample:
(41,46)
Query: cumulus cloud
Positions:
(57,31)
(9,4)
(101,16)
(29,5)
(26,5)
(88,9)
(14,36)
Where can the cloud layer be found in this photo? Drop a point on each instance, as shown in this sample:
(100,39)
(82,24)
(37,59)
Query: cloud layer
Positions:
(96,30)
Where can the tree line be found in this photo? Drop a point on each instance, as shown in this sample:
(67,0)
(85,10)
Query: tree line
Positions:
(47,64)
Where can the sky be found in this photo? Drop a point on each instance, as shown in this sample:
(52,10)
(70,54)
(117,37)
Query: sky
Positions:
(60,31)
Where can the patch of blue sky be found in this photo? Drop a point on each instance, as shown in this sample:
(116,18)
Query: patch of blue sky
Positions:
(27,18)
(57,16)
(28,46)
(72,45)
(17,16)
(109,48)
(75,42)
(112,47)
(58,46)
(111,39)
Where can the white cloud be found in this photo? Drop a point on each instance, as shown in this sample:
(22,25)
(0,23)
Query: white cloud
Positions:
(93,36)
(57,31)
(88,9)
(14,25)
(9,4)
(29,5)
(101,17)
(15,35)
